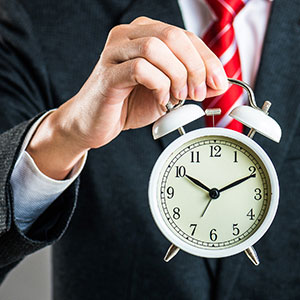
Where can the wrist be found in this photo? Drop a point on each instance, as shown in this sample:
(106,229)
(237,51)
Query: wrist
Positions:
(54,147)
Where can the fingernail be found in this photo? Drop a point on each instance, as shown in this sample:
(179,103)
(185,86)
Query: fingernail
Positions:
(183,93)
(200,92)
(166,99)
(163,108)
(219,81)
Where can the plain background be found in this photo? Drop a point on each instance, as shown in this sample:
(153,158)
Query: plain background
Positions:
(30,280)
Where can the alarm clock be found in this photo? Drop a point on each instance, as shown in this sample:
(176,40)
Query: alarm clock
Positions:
(214,192)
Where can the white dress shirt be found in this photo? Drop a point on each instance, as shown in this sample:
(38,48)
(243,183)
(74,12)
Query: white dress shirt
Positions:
(34,192)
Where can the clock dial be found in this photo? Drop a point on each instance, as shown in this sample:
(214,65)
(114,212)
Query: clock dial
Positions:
(213,192)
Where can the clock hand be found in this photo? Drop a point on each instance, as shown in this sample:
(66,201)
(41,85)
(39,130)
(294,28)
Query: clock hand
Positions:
(198,183)
(213,194)
(206,207)
(236,183)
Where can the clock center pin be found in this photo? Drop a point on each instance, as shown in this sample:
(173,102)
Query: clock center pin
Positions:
(214,193)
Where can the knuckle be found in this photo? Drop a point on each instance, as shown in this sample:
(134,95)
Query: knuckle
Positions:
(117,30)
(165,83)
(141,20)
(191,35)
(105,54)
(171,33)
(213,63)
(108,54)
(148,47)
(137,66)
(197,71)
(163,86)
(181,76)
(178,80)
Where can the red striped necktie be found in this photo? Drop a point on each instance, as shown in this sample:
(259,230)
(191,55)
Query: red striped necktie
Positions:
(221,40)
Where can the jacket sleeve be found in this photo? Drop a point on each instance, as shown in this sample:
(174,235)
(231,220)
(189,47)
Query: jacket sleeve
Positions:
(25,92)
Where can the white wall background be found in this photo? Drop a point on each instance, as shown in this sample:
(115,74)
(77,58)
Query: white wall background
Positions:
(30,280)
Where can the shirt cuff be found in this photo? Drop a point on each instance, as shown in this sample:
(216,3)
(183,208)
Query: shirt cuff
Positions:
(33,191)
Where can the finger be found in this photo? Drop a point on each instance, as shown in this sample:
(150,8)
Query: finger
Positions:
(179,43)
(216,78)
(121,31)
(143,21)
(159,55)
(139,71)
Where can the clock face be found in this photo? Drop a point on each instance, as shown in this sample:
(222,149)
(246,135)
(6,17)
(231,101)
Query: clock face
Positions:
(213,192)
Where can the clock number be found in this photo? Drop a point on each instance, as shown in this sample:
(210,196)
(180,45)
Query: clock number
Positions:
(258,195)
(252,169)
(235,157)
(170,192)
(236,230)
(215,151)
(195,226)
(195,156)
(213,235)
(176,211)
(251,214)
(180,171)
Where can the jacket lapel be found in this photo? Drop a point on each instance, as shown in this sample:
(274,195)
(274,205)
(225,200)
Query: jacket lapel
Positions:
(278,81)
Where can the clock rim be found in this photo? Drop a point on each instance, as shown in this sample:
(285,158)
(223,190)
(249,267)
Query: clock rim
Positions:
(215,253)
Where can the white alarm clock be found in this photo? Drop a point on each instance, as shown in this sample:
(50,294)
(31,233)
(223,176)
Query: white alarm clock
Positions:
(214,192)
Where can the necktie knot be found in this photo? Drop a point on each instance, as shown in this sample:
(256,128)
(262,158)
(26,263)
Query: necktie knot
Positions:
(226,10)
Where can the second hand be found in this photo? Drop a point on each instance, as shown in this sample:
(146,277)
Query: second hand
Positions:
(206,207)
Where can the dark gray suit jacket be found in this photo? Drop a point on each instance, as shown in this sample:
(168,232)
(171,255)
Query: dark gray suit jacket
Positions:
(109,247)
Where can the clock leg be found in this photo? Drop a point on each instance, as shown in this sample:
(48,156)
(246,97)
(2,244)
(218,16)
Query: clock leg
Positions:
(172,251)
(252,255)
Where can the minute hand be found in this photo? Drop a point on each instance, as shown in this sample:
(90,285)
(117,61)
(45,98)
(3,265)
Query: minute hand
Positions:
(236,183)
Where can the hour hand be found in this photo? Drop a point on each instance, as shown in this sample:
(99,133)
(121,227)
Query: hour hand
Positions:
(197,182)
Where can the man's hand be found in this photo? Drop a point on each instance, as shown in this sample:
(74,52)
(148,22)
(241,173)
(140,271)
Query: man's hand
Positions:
(141,65)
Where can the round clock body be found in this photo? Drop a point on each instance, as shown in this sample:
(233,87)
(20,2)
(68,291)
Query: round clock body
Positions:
(213,192)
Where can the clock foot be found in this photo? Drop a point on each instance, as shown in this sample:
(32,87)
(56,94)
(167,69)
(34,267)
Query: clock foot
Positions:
(252,255)
(172,251)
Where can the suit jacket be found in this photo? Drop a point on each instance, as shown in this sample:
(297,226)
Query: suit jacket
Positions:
(109,247)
